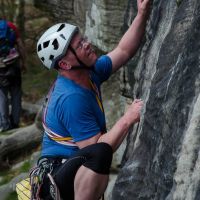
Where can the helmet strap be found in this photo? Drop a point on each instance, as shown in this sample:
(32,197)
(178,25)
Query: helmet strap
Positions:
(82,65)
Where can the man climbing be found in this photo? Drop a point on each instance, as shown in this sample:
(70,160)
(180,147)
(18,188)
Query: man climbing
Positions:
(11,63)
(77,149)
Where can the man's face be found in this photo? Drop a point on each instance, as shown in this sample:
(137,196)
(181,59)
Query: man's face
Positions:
(83,50)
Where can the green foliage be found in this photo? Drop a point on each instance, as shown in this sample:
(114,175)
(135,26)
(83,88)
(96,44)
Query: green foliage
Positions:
(8,9)
(25,167)
(37,80)
(7,175)
(12,196)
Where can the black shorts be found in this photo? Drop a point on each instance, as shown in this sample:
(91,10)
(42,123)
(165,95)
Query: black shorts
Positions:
(10,75)
(97,157)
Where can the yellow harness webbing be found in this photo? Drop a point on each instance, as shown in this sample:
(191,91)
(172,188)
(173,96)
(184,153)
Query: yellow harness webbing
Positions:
(97,95)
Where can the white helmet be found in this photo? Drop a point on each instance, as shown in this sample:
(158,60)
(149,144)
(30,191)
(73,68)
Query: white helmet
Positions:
(54,43)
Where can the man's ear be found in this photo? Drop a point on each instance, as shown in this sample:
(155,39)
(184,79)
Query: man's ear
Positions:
(64,65)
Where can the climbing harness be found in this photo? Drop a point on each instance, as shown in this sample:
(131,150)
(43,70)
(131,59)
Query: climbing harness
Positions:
(97,94)
(29,188)
(98,99)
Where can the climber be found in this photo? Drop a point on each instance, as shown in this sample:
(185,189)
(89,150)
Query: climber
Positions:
(77,149)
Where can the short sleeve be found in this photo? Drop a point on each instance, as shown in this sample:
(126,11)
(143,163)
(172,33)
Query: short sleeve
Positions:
(103,68)
(79,117)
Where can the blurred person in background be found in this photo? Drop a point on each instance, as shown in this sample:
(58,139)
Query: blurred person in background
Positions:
(12,63)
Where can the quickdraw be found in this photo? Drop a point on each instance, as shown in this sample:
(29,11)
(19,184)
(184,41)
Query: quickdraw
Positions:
(29,188)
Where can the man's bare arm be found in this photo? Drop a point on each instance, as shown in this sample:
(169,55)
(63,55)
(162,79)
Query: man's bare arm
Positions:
(116,135)
(131,40)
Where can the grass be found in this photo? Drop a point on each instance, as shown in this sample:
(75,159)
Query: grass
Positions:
(25,167)
(8,175)
(12,196)
(6,133)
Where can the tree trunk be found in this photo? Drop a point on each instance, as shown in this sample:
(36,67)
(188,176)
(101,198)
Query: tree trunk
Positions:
(21,19)
(19,142)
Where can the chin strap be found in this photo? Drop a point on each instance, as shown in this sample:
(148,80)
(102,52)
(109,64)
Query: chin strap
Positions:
(82,65)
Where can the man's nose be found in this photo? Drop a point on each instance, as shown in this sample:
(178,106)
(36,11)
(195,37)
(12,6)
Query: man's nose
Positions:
(86,45)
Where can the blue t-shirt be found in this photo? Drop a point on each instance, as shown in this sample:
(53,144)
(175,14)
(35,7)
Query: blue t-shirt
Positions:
(73,111)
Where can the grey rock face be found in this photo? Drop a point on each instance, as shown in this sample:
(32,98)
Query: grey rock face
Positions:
(162,156)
